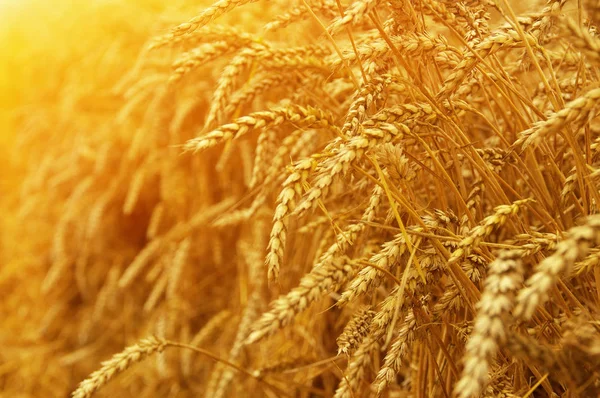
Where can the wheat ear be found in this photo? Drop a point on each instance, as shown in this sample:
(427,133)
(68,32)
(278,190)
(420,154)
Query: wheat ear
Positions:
(575,114)
(117,364)
(489,331)
(578,243)
(209,14)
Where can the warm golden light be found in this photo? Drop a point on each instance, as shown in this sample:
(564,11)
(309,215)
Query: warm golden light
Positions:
(307,198)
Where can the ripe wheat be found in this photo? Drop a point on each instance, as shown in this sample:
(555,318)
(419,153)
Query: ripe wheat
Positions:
(332,198)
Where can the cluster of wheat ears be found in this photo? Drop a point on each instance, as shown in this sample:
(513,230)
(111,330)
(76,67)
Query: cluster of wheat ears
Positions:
(311,198)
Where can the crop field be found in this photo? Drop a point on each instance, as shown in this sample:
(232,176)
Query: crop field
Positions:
(300,198)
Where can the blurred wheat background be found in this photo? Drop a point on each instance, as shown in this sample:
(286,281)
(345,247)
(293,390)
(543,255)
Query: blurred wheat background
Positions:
(311,198)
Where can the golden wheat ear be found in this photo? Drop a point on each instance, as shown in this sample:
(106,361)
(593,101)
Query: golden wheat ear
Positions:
(117,364)
(578,243)
(143,349)
(490,325)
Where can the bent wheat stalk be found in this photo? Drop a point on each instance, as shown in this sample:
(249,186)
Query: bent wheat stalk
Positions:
(137,353)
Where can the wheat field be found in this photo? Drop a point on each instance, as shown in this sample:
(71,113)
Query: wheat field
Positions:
(304,198)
